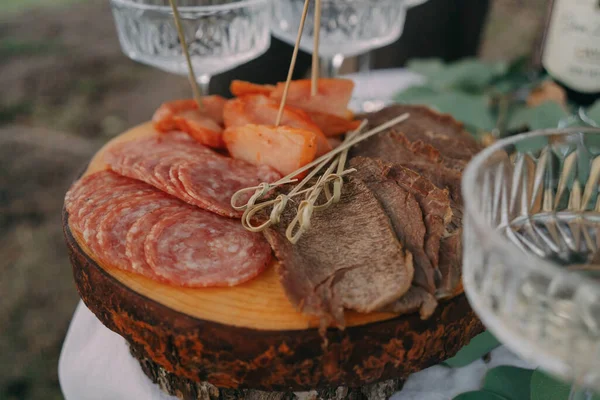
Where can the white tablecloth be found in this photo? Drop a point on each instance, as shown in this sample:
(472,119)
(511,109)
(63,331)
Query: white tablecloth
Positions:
(95,363)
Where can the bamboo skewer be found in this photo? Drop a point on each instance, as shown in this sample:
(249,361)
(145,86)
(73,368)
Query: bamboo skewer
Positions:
(292,63)
(337,157)
(315,56)
(184,47)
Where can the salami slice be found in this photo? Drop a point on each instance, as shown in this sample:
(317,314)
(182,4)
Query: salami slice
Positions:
(188,170)
(199,249)
(134,246)
(92,202)
(108,202)
(213,183)
(89,184)
(112,229)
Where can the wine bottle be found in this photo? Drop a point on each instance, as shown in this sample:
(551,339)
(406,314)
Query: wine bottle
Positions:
(570,51)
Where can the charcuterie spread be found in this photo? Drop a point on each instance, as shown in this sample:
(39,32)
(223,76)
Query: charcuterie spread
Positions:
(391,240)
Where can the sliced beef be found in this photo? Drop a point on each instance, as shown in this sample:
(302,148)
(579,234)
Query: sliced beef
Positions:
(349,258)
(434,202)
(433,144)
(441,131)
(404,212)
(450,264)
(416,299)
(451,255)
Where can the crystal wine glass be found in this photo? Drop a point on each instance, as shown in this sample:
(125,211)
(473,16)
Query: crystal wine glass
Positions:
(532,248)
(220,34)
(348,27)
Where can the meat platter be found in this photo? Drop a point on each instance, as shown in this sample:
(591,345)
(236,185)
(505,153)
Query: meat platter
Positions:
(370,293)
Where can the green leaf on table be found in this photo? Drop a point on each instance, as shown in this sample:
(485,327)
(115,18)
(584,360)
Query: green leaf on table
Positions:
(546,115)
(479,346)
(510,382)
(480,395)
(594,112)
(545,387)
(468,75)
(470,109)
(416,94)
(428,67)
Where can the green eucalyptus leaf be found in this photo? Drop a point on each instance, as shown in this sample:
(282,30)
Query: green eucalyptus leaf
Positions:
(510,382)
(469,109)
(471,75)
(480,395)
(594,112)
(430,68)
(479,346)
(419,94)
(468,75)
(545,387)
(546,115)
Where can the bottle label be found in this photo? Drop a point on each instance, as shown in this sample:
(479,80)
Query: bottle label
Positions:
(572,46)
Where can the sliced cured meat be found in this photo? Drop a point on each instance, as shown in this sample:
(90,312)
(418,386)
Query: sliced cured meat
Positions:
(434,202)
(106,201)
(432,144)
(137,228)
(451,265)
(440,131)
(196,248)
(136,236)
(404,212)
(242,88)
(393,147)
(113,227)
(212,183)
(282,148)
(416,299)
(349,258)
(208,180)
(261,110)
(440,176)
(333,125)
(82,189)
(333,95)
(95,203)
(205,125)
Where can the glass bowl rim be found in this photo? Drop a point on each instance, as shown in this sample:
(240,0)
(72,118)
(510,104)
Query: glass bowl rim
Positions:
(167,9)
(476,217)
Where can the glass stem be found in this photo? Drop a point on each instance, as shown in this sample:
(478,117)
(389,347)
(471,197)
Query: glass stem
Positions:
(364,62)
(330,66)
(204,83)
(579,393)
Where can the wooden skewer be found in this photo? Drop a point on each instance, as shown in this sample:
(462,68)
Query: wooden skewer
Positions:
(315,55)
(191,74)
(292,63)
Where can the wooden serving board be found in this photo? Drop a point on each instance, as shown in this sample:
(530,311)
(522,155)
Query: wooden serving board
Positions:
(250,336)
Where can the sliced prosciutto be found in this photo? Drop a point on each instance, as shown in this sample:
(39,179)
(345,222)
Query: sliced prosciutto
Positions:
(261,110)
(187,170)
(205,125)
(328,108)
(282,148)
(333,95)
